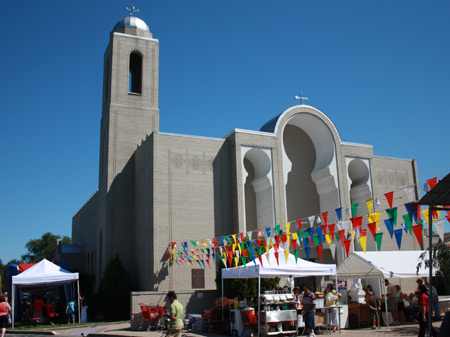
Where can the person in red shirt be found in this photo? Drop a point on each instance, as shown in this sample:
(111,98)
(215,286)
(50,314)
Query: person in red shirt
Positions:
(51,314)
(5,311)
(38,307)
(424,307)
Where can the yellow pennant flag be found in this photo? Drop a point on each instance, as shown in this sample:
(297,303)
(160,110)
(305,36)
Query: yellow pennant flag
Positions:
(286,254)
(374,217)
(363,242)
(236,261)
(240,250)
(369,203)
(294,236)
(425,215)
(267,249)
(271,243)
(288,227)
(352,233)
(328,238)
(204,243)
(288,240)
(234,237)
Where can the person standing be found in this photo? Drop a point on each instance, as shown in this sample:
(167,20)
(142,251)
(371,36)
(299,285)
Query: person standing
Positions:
(422,315)
(332,297)
(84,307)
(309,308)
(374,309)
(391,294)
(70,311)
(5,311)
(434,301)
(176,315)
(38,308)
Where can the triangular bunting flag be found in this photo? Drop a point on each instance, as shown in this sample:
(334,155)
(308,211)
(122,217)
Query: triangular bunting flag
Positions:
(392,213)
(325,217)
(398,236)
(333,250)
(432,182)
(339,213)
(307,251)
(355,209)
(418,233)
(389,226)
(389,197)
(331,230)
(373,228)
(363,242)
(347,247)
(319,252)
(378,239)
(439,225)
(369,203)
(408,222)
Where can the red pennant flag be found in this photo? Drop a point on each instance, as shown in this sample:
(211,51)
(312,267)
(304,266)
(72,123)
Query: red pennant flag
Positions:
(244,252)
(258,242)
(325,217)
(283,238)
(363,232)
(341,234)
(277,239)
(294,244)
(276,256)
(214,241)
(319,252)
(173,244)
(331,229)
(373,228)
(448,218)
(356,221)
(389,197)
(324,229)
(299,223)
(241,235)
(260,260)
(275,247)
(432,182)
(207,261)
(347,246)
(418,232)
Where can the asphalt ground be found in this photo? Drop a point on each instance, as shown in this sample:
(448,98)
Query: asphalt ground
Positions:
(123,329)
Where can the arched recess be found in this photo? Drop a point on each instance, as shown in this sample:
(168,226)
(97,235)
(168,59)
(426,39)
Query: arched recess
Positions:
(324,171)
(359,179)
(257,180)
(135,73)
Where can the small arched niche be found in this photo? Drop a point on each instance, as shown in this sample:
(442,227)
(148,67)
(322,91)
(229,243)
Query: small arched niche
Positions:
(359,179)
(258,188)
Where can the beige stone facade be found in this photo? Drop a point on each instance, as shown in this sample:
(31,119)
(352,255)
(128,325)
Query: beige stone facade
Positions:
(156,187)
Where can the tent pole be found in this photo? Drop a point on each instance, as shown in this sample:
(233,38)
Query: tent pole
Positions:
(259,303)
(13,302)
(386,307)
(222,298)
(430,250)
(78,296)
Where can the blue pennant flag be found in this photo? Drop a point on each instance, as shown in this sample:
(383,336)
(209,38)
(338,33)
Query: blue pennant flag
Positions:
(389,226)
(339,213)
(398,236)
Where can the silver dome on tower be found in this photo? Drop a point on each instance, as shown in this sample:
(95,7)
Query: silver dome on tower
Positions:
(132,25)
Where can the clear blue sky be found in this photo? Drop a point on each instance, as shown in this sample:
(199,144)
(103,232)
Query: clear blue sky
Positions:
(379,69)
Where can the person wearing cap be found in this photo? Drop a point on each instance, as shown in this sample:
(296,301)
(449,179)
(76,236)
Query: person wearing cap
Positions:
(176,315)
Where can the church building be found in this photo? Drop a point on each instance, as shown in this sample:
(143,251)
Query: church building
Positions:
(157,187)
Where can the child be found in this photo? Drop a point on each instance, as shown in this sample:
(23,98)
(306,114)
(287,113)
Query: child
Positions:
(374,308)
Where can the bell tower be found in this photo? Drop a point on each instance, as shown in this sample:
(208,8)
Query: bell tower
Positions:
(130,95)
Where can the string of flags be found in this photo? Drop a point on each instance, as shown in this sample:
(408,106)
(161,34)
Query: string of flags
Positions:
(309,233)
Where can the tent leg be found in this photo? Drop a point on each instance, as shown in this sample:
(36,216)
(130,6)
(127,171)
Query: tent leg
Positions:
(259,304)
(13,303)
(386,307)
(78,296)
(222,302)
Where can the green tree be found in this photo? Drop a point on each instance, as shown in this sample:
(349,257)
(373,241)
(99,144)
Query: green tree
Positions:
(43,248)
(441,264)
(114,291)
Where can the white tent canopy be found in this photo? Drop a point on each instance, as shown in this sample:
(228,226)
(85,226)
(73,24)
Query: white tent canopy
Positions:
(271,269)
(384,264)
(44,273)
(41,274)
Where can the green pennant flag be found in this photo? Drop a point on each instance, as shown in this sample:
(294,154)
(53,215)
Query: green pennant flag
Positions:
(392,213)
(278,228)
(296,255)
(378,238)
(354,210)
(408,222)
(337,237)
(220,255)
(244,262)
(228,239)
(198,262)
(300,235)
(316,240)
(306,234)
(194,243)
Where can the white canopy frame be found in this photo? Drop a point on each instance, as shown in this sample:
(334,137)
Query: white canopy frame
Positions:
(272,268)
(382,265)
(44,273)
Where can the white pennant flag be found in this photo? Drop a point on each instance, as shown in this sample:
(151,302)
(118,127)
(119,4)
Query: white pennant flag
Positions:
(333,249)
(439,225)
(311,220)
(249,236)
